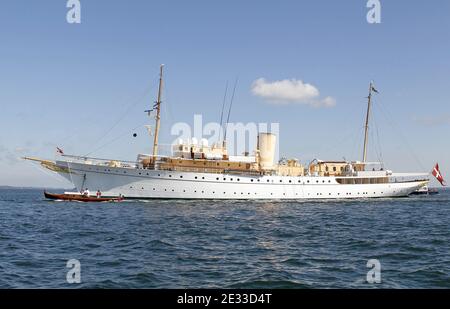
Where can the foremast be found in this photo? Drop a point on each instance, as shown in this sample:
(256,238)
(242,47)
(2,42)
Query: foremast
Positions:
(158,114)
(366,126)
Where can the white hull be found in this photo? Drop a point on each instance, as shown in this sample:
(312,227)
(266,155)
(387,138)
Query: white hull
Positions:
(145,184)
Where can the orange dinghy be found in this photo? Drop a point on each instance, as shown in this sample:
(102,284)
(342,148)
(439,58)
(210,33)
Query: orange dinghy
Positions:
(80,198)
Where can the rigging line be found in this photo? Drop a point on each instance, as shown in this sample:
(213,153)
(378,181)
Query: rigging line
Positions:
(114,140)
(90,120)
(223,107)
(402,136)
(123,115)
(229,110)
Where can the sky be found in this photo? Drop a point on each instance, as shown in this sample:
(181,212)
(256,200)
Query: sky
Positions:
(303,64)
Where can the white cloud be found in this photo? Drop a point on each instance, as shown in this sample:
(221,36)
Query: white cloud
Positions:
(290,91)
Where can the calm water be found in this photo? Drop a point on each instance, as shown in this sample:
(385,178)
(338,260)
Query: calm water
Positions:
(176,244)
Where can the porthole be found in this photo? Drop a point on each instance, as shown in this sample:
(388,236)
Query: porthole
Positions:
(238,179)
(170,175)
(203,177)
(281,180)
(195,177)
(181,176)
(251,180)
(290,181)
(217,178)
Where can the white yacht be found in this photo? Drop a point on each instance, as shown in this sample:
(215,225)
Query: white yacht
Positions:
(199,171)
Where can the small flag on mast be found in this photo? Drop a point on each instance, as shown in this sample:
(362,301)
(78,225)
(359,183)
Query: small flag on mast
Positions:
(437,173)
(59,151)
(374,90)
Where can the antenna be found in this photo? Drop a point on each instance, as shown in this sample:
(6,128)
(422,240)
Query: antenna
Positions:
(223,107)
(229,112)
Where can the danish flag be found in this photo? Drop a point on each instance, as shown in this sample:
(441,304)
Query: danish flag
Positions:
(437,173)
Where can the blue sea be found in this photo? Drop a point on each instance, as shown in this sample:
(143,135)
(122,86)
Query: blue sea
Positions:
(224,244)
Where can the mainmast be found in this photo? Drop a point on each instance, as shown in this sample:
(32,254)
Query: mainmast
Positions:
(366,127)
(158,113)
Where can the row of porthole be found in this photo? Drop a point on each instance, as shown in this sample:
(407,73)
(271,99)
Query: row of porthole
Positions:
(195,191)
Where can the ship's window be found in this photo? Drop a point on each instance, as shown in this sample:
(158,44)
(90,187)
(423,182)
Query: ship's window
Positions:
(203,191)
(323,181)
(140,173)
(204,163)
(217,178)
(142,188)
(147,174)
(224,179)
(173,190)
(214,192)
(284,193)
(131,187)
(124,172)
(224,192)
(329,181)
(342,168)
(218,164)
(159,174)
(290,181)
(317,181)
(165,189)
(228,164)
(251,180)
(271,193)
(203,177)
(231,179)
(154,189)
(195,191)
(170,175)
(195,177)
(181,176)
(299,181)
(329,193)
(184,190)
(326,169)
(267,180)
(334,168)
(307,181)
(234,192)
(258,180)
(281,180)
(238,179)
